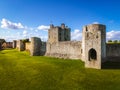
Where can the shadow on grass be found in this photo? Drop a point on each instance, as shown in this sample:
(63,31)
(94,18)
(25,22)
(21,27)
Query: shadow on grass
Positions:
(111,63)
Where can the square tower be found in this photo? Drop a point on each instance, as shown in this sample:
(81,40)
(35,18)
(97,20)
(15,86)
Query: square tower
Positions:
(94,45)
(58,33)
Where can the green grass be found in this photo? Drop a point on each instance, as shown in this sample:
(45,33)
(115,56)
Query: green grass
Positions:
(19,71)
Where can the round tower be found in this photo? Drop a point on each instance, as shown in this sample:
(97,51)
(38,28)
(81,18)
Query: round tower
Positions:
(35,46)
(94,45)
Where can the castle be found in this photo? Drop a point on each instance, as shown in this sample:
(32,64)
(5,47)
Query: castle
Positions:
(93,49)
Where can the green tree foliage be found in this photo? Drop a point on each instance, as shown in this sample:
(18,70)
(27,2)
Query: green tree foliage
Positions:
(25,40)
(109,40)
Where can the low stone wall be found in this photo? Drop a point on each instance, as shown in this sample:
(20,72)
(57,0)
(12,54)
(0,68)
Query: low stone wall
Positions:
(113,50)
(67,49)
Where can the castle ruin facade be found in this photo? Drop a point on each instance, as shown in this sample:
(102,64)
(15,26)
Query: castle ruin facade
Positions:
(93,49)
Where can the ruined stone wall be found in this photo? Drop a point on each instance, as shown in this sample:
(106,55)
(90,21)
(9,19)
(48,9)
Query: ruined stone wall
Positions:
(20,45)
(66,49)
(7,45)
(113,50)
(35,49)
(17,44)
(43,48)
(14,43)
(27,46)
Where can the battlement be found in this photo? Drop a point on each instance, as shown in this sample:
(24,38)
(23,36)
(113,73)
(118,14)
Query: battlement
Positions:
(94,28)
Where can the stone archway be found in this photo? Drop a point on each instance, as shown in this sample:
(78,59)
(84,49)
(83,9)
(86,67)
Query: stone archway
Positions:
(92,54)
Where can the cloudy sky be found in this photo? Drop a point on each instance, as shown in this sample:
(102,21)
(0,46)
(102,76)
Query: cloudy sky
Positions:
(31,18)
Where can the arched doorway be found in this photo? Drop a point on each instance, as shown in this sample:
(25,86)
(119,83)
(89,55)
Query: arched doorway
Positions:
(92,54)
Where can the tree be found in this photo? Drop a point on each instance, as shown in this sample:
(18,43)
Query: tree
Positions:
(115,41)
(109,40)
(25,40)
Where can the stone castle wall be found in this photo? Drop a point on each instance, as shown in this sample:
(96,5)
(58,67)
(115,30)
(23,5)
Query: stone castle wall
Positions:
(20,45)
(93,49)
(35,47)
(7,45)
(28,46)
(66,49)
(36,44)
(113,50)
(43,48)
(14,43)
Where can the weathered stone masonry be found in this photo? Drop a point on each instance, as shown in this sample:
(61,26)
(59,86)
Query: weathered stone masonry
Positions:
(93,49)
(64,49)
(36,47)
(113,50)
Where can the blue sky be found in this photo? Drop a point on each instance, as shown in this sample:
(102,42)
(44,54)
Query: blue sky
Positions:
(27,18)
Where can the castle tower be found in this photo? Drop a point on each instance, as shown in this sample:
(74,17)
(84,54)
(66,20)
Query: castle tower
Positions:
(58,33)
(35,46)
(94,45)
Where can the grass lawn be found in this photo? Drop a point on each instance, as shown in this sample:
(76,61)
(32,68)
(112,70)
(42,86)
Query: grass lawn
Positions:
(19,71)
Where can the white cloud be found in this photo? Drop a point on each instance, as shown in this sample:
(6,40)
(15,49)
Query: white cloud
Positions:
(36,30)
(24,32)
(43,27)
(6,24)
(76,35)
(112,35)
(95,22)
(44,38)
